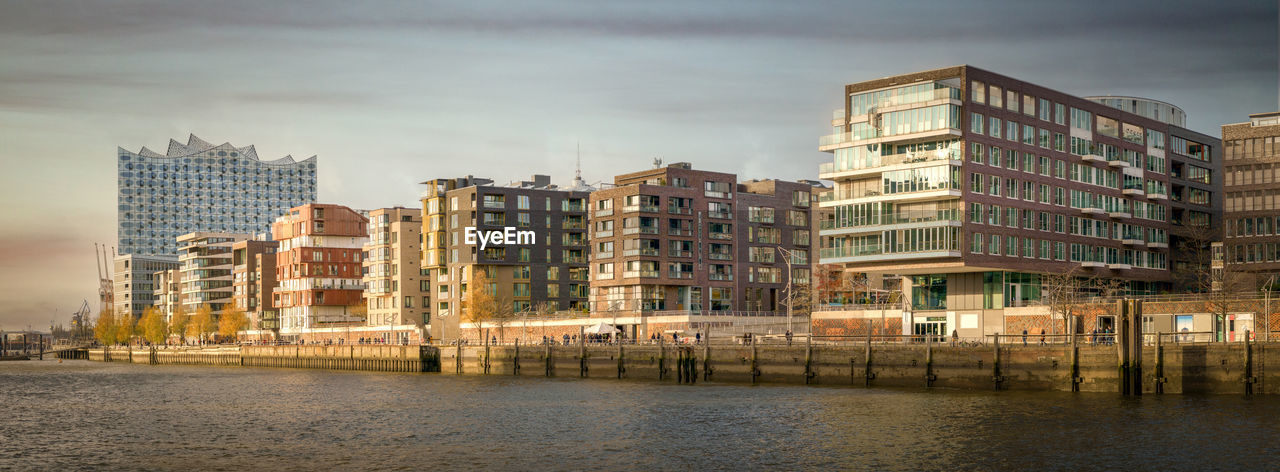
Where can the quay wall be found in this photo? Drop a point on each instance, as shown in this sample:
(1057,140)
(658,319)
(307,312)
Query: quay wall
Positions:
(1217,368)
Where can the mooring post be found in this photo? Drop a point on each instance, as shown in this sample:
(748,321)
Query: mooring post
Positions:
(662,359)
(1122,338)
(622,368)
(547,356)
(755,365)
(515,360)
(1135,347)
(706,353)
(995,366)
(928,361)
(1075,359)
(484,364)
(866,368)
(582,351)
(1159,387)
(1248,364)
(457,360)
(808,358)
(680,365)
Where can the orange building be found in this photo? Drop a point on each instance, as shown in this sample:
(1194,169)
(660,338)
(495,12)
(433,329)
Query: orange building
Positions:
(318,269)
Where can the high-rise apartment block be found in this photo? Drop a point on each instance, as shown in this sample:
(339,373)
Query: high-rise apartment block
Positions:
(675,238)
(397,291)
(1251,152)
(202,187)
(168,291)
(968,186)
(253,276)
(318,267)
(134,281)
(206,269)
(543,271)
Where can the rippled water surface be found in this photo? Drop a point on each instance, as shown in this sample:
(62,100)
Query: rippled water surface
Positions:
(96,416)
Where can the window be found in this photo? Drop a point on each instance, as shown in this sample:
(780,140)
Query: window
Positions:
(1043,110)
(977,244)
(1108,127)
(1059,114)
(1028,105)
(994,128)
(978,92)
(1011,101)
(997,97)
(1081,119)
(522,202)
(975,123)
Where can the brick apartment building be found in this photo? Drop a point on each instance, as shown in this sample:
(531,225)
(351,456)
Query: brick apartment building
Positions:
(396,289)
(318,267)
(253,279)
(675,238)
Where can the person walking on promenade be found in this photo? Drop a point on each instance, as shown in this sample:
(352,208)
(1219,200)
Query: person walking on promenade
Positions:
(697,338)
(788,338)
(955,337)
(1024,336)
(1042,343)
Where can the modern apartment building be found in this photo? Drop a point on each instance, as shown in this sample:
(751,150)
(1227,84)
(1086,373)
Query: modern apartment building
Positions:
(253,274)
(546,274)
(168,291)
(134,281)
(1251,153)
(206,269)
(318,267)
(202,187)
(676,238)
(967,187)
(397,291)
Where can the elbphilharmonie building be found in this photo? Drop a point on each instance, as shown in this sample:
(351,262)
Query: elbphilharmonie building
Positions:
(199,186)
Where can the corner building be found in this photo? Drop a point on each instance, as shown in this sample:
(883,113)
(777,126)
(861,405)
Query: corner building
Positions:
(969,186)
(678,239)
(396,289)
(1252,211)
(318,268)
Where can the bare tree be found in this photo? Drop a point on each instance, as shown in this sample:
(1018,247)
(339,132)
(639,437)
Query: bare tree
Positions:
(1062,292)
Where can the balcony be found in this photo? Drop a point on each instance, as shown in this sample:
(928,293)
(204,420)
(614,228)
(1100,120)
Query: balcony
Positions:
(1119,214)
(678,253)
(1094,264)
(1119,266)
(640,274)
(1132,241)
(877,164)
(1133,192)
(1118,162)
(639,230)
(679,210)
(604,234)
(1157,196)
(720,256)
(640,209)
(874,252)
(1093,157)
(1158,244)
(955,216)
(679,232)
(720,235)
(602,255)
(605,212)
(498,205)
(648,251)
(574,225)
(726,277)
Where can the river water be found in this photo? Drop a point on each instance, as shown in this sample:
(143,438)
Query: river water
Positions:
(78,415)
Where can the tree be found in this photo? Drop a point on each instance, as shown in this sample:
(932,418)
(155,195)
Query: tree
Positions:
(202,323)
(231,322)
(482,302)
(104,330)
(124,328)
(178,322)
(153,327)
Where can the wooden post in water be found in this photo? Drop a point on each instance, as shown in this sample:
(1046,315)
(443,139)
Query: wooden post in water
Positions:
(1135,347)
(995,366)
(484,364)
(866,368)
(515,360)
(1075,358)
(706,353)
(457,361)
(1159,387)
(547,356)
(755,365)
(1121,339)
(808,358)
(582,351)
(928,361)
(622,368)
(1248,364)
(680,365)
(662,359)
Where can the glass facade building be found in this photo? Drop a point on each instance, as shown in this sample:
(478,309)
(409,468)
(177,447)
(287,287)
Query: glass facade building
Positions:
(199,186)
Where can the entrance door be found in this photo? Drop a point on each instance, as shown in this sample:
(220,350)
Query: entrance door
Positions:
(935,328)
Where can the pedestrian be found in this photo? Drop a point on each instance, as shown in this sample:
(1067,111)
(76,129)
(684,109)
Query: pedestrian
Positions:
(675,338)
(788,338)
(1042,337)
(1093,336)
(566,340)
(955,337)
(1024,336)
(697,338)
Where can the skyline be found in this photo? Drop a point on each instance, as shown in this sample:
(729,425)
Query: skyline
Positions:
(393,97)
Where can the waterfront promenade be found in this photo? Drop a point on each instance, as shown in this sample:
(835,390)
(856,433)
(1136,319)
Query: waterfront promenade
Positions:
(1169,367)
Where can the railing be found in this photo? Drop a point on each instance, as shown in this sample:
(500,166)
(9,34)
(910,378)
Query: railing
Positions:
(605,212)
(646,251)
(574,225)
(640,208)
(915,216)
(643,274)
(679,232)
(871,162)
(719,214)
(640,230)
(720,277)
(495,205)
(679,275)
(676,210)
(720,256)
(679,253)
(720,235)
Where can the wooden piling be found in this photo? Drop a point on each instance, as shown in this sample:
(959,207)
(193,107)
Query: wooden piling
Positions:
(582,351)
(996,377)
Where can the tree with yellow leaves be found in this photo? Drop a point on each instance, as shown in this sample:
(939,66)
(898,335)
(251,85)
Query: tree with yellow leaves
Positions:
(482,302)
(202,324)
(231,322)
(104,330)
(124,328)
(152,326)
(178,322)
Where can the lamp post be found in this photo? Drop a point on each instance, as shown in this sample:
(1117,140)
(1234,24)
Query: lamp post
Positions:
(786,255)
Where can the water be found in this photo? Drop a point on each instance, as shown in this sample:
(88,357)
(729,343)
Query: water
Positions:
(79,415)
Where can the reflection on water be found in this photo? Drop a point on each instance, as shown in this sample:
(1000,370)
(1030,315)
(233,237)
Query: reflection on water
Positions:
(82,415)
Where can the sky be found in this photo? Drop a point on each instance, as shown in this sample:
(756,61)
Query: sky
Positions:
(389,94)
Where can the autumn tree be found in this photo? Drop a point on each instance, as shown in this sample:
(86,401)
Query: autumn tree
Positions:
(482,301)
(104,330)
(178,322)
(231,322)
(202,324)
(124,329)
(152,326)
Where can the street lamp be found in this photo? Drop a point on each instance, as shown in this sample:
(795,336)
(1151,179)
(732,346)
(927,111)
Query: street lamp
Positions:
(786,255)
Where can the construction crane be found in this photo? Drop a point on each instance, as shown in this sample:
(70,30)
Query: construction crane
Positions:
(106,290)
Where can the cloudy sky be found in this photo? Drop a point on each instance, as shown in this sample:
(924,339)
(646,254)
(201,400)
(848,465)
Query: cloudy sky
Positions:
(390,94)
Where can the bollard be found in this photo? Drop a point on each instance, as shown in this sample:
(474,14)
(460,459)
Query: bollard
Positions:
(928,361)
(662,359)
(1249,379)
(755,366)
(808,359)
(1075,359)
(1135,347)
(706,353)
(679,365)
(515,360)
(582,351)
(866,369)
(995,366)
(484,364)
(547,357)
(457,360)
(622,368)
